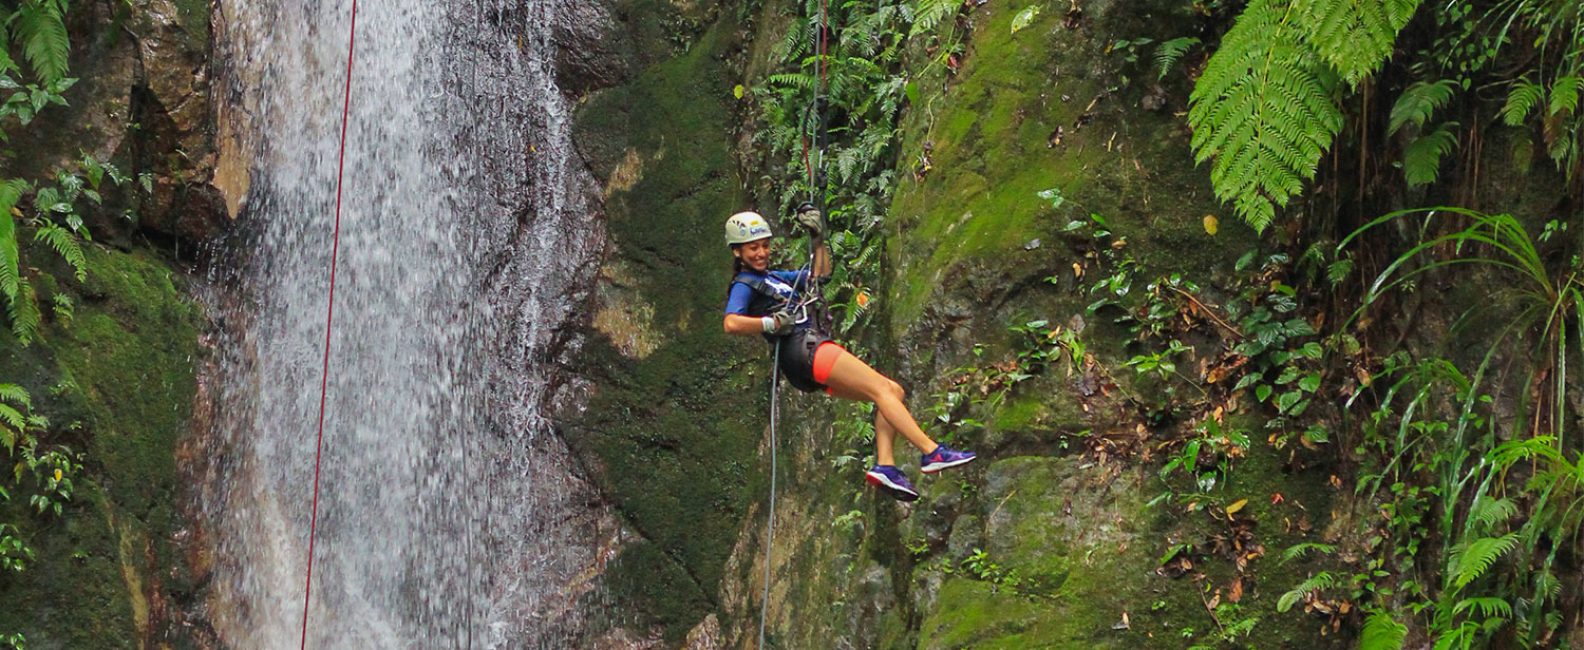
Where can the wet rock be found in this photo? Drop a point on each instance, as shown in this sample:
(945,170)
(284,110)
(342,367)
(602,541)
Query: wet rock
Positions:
(587,54)
(966,535)
(172,105)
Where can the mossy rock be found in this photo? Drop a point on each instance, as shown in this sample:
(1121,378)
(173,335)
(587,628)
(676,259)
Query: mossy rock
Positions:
(117,382)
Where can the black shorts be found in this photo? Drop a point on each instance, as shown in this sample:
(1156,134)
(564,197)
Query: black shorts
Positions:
(797,358)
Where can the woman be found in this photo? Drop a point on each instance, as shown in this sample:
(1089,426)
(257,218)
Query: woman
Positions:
(769,303)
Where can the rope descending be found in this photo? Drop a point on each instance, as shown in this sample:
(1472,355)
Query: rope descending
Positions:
(324,377)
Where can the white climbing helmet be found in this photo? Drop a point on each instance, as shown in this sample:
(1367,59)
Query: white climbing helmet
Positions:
(745,227)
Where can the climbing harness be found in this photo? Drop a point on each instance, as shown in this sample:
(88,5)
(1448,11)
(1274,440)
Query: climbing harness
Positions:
(809,295)
(324,377)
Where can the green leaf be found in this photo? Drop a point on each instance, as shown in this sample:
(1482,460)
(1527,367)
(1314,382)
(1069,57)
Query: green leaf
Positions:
(1024,18)
(1262,392)
(1287,400)
(1310,383)
(93,170)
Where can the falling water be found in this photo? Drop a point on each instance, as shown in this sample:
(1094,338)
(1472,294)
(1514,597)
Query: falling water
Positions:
(448,515)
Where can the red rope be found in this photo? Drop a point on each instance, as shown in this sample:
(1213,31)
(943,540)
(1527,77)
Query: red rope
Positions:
(324,377)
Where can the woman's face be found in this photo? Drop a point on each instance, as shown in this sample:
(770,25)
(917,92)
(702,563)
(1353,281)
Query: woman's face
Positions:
(756,254)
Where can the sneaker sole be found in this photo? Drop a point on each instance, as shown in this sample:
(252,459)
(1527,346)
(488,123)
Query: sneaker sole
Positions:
(935,468)
(898,492)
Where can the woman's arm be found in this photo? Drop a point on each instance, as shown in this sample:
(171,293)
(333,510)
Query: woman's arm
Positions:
(744,325)
(822,259)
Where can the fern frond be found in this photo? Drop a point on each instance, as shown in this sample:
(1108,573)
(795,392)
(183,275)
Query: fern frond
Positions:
(1168,53)
(1418,102)
(1521,100)
(10,260)
(799,80)
(1565,94)
(929,13)
(12,418)
(1263,112)
(14,394)
(1487,606)
(1490,512)
(1477,557)
(64,243)
(44,42)
(1381,632)
(1299,550)
(1422,158)
(1322,580)
(1354,36)
(24,312)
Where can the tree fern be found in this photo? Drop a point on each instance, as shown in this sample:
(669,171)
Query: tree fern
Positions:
(1263,112)
(64,243)
(1522,99)
(1382,633)
(1418,102)
(39,27)
(1422,158)
(1477,557)
(1354,36)
(1168,53)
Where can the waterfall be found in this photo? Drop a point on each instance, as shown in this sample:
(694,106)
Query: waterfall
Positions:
(449,516)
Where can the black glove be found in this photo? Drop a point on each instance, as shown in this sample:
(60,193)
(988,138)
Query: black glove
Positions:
(782,322)
(810,218)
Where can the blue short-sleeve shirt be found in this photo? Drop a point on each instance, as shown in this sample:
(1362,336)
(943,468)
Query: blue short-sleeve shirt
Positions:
(743,300)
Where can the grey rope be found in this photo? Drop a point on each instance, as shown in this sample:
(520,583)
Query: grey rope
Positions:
(764,604)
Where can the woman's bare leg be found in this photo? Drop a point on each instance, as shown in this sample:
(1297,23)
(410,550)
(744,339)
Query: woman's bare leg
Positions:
(851,378)
(884,432)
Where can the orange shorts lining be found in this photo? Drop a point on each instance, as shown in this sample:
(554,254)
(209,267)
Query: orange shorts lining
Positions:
(824,359)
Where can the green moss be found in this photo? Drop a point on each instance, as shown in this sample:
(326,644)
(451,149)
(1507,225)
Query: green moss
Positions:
(675,437)
(117,384)
(993,135)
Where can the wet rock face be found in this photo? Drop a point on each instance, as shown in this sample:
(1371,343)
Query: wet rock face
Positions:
(172,104)
(588,57)
(142,104)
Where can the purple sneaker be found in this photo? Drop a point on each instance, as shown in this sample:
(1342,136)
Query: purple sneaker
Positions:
(890,479)
(943,458)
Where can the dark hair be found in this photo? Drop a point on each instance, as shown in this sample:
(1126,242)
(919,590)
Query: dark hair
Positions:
(737,268)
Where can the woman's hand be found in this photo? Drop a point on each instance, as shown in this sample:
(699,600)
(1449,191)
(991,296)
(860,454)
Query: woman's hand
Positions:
(810,218)
(779,323)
